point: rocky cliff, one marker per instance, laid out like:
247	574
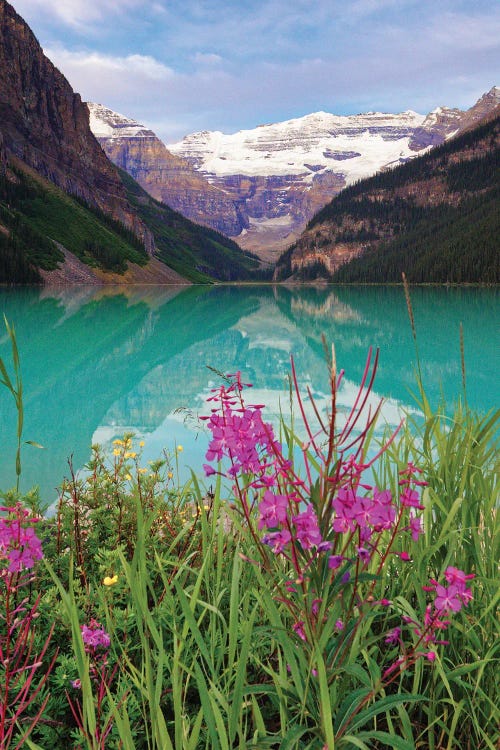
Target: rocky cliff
46	125
3	157
166	177
262	186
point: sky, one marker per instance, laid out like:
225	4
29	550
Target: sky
181	66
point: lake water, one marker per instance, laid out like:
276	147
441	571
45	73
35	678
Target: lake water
97	362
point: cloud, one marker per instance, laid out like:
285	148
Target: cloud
77	13
467	32
184	65
207	58
84	69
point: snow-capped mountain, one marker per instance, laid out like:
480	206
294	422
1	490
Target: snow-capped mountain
285	172
304	147
261	186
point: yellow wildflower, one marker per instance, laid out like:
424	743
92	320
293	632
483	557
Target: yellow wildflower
127	476
116	452
142	444
142	471
130	454
118	442
170	475
110	581
180	448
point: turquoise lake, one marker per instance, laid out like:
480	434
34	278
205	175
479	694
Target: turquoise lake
98	362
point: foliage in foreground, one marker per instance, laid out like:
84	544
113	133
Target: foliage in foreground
283	611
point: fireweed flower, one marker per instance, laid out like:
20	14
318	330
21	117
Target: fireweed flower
273	510
448	599
394	636
19	544
307	529
352	527
277	540
345	512
411	498
95	637
415	526
298	627
335	561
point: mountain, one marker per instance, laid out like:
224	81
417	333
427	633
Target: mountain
44	125
436	218
166	177
67	214
281	174
198	253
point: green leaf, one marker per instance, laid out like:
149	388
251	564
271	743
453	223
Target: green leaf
387	740
34	444
384	704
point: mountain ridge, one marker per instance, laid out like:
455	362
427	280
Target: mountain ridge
45	124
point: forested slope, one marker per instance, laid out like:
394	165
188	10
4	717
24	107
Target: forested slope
437	218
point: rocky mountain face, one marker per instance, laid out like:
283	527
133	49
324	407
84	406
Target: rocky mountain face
45	126
169	178
281	174
166	177
3	157
436	217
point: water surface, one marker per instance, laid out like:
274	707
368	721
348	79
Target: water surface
97	362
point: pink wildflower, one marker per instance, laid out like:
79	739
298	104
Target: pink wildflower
448	599
298	627
394	636
94	636
18	542
335	561
345	511
410	498
273	510
277	540
306	524
416	526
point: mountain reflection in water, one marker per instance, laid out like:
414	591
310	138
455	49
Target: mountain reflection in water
97	362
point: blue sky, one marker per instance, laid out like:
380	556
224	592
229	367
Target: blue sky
180	66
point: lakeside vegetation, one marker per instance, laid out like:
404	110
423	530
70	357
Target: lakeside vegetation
169	616
35	215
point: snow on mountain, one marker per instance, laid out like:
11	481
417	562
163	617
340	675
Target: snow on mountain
104	123
168	178
356	145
